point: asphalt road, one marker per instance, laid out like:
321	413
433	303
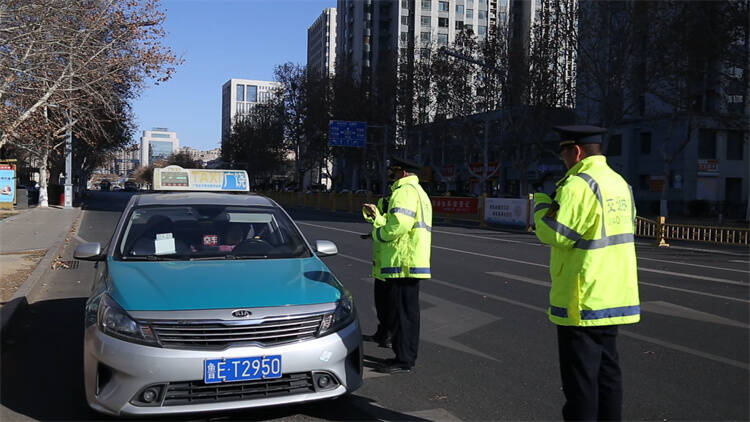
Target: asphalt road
487	350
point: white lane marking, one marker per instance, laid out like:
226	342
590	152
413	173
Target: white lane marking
697	265
647	339
492	256
694	352
671	309
718	280
486	238
547	284
697	277
740	261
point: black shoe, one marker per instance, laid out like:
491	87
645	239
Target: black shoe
375	338
392	366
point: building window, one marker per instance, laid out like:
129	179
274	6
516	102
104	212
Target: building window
444	6
425	20
735	145
240	92
482	30
707	143
425	36
404	36
459	10
443	39
469	13
404	20
644	181
252	94
425	53
469	27
404	4
645	142
470	2
443	22
482	14
459	25
614	147
426	5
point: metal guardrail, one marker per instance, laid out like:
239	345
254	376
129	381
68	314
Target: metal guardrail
663	231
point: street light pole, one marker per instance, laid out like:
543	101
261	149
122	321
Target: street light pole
384	169
69	164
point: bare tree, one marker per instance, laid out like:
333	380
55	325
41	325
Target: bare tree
74	64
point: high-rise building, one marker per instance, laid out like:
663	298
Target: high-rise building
321	44
239	96
373	36
158	144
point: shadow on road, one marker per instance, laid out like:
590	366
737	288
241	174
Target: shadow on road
42	362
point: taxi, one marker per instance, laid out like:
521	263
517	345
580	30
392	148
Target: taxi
206	301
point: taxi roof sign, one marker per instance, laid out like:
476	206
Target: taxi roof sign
176	178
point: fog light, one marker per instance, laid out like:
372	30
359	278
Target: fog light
149	395
323	381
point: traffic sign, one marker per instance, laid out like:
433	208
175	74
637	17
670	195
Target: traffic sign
344	133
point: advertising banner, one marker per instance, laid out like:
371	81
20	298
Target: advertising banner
7	184
506	211
455	205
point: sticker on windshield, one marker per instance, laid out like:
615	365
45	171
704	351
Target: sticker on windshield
164	244
210	240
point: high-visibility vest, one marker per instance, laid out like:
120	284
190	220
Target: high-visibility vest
590	227
378	221
405	236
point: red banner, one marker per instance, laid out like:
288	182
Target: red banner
455	205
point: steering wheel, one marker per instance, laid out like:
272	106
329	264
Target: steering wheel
253	245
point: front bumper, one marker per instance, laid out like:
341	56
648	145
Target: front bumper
116	372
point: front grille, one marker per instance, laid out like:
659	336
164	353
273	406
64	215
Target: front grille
219	335
198	392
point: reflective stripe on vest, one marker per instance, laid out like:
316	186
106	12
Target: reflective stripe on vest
421	223
391	270
589	314
410	213
577	238
419	270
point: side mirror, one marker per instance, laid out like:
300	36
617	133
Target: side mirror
89	252
325	248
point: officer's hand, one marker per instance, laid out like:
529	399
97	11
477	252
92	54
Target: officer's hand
370	210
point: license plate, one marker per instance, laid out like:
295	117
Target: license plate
241	369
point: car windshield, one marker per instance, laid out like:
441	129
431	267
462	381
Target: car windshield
195	232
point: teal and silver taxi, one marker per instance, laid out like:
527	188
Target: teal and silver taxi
214	301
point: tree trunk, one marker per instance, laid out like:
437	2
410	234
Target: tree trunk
43	198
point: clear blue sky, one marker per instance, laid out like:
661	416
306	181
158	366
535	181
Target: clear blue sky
219	40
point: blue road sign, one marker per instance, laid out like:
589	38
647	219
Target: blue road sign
343	133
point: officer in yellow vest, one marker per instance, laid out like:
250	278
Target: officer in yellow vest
589	225
404	250
384	309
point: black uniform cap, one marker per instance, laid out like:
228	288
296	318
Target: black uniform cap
404	164
579	135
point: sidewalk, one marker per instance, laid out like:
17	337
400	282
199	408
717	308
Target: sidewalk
29	242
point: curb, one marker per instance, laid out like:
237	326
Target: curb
19	300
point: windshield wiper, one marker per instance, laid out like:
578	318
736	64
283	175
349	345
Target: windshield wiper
241	256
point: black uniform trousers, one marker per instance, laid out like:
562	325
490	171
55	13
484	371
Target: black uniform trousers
405	293
384	309
591	376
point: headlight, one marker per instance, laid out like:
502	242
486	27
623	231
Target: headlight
114	321
342	316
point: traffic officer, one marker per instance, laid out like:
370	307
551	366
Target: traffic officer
589	225
404	250
384	309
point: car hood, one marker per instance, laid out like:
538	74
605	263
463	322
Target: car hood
183	285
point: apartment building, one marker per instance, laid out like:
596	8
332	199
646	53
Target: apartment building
239	96
321	44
